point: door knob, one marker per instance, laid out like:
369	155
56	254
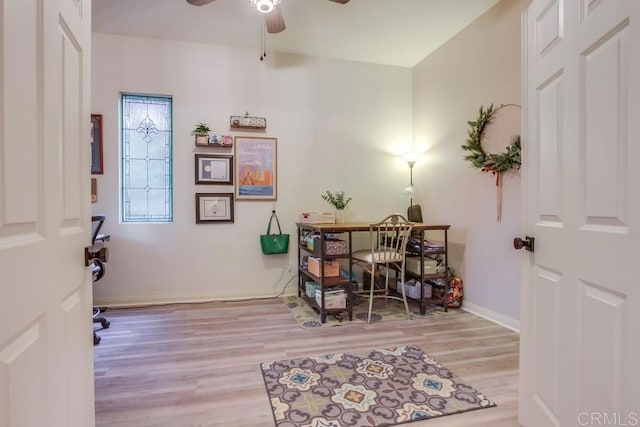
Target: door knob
99	252
527	243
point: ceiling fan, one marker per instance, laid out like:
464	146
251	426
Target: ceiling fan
272	13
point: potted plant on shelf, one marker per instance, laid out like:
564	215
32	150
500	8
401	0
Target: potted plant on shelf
201	132
339	201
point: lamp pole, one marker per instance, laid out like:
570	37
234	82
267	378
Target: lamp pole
411	163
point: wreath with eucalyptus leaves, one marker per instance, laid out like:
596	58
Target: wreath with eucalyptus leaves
489	162
497	164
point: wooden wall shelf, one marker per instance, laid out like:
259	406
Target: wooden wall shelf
247	122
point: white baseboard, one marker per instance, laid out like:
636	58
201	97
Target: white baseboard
493	316
140	301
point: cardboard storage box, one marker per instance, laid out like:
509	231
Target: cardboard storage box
331	246
331	268
332	299
412	289
412	264
317	218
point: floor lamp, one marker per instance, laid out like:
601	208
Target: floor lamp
414	214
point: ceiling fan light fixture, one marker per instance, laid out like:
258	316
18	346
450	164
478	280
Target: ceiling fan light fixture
264	6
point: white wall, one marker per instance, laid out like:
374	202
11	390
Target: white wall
338	126
479	66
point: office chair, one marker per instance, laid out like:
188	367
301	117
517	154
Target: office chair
98	270
388	248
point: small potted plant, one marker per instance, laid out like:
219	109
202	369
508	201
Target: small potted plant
201	132
339	201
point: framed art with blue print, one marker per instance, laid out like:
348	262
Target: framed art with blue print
214	169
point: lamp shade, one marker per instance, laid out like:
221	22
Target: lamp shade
411	157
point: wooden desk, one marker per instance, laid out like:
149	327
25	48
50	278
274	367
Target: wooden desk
348	228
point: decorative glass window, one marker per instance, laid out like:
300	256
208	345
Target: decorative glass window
147	151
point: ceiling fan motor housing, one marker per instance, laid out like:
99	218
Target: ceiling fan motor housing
264	6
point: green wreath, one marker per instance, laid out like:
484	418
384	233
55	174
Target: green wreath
488	162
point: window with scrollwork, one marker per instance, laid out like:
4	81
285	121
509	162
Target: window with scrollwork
146	143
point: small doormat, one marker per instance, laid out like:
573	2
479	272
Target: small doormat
391	310
371	388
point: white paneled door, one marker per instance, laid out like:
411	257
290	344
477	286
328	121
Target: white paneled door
46	345
580	345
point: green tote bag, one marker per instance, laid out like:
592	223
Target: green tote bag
273	244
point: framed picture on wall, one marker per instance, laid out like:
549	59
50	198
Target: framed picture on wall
256	168
214	169
96	145
214	207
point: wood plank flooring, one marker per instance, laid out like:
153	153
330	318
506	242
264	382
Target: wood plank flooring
196	365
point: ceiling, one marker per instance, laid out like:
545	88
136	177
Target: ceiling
393	32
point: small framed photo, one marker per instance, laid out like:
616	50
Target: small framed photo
256	168
220	140
214	207
214	169
97	166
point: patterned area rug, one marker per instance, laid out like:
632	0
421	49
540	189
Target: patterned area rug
392	310
371	388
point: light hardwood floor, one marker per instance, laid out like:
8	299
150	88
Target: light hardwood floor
198	364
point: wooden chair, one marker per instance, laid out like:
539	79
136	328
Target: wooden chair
388	248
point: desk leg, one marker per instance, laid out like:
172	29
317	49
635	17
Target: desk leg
350	294
445	303
423	303
350	298
447	278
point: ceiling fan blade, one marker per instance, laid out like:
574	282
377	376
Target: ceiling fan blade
340	1
275	21
200	2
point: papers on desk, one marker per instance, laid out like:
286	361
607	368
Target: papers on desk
413	244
